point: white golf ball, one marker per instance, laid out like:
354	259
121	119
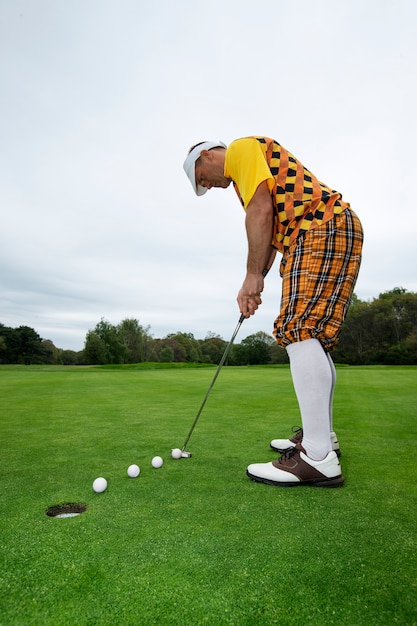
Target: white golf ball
133	471
157	461
176	453
100	485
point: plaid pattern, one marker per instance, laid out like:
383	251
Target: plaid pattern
319	272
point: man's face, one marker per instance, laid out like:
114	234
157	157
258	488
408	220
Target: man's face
209	170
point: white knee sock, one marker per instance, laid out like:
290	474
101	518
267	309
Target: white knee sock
313	382
333	370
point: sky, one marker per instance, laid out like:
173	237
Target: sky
100	102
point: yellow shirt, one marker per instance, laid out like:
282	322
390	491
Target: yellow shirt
300	201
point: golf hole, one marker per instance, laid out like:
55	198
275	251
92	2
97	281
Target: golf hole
69	509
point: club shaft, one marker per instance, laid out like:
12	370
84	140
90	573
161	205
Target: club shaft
220	365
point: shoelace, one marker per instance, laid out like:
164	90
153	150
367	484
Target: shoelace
288	454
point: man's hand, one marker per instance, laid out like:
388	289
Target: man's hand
249	296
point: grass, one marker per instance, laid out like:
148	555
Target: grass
196	542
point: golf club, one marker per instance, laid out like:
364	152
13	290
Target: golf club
185	454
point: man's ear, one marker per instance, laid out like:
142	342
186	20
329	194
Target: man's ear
206	155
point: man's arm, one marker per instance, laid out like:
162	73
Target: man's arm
259	224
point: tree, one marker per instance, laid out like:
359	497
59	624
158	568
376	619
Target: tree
358	335
402	308
137	340
21	345
3	347
166	355
70	357
212	348
25	346
253	350
9	351
94	349
115	348
187	345
179	351
380	331
51	353
278	354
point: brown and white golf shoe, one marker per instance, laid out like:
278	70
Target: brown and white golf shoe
281	445
295	468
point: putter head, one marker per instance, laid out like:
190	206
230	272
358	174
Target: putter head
185	455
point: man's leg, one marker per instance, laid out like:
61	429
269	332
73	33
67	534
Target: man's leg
319	272
311	461
313	383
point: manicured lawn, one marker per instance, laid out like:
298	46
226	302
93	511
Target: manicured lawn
196	542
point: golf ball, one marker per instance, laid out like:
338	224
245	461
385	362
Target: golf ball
100	485
157	462
176	453
133	471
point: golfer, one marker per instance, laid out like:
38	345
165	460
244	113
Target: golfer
320	238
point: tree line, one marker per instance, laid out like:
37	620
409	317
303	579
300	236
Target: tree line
381	331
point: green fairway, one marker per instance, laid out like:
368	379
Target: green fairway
196	542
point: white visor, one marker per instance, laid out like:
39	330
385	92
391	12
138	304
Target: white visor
189	163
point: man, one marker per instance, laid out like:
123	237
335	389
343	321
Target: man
320	238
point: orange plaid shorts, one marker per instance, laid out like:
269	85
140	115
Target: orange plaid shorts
319	272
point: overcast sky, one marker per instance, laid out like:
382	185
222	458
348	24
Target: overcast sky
100	101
